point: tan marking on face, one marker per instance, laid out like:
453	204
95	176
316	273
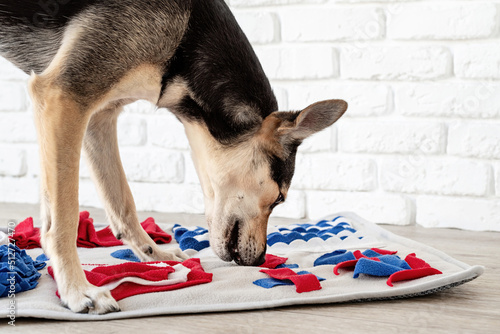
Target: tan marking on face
267	134
237	185
271	134
269	196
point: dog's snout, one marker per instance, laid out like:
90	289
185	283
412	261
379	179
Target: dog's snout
234	242
244	250
235	234
261	259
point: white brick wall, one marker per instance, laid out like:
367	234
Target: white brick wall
395	62
12	162
381	208
474	139
419	143
430	20
391	136
449	99
478	60
299	62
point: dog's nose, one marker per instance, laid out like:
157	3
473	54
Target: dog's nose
261	259
234	243
258	261
245	258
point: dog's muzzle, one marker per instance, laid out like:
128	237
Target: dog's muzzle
234	250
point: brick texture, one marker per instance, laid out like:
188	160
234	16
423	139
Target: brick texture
391	136
458	99
443	176
13	96
479	60
299	62
391	62
475	139
330	172
384	209
332	24
497	179
365	100
12	161
431	20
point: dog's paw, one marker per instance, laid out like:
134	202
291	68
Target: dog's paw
178	255
148	253
90	299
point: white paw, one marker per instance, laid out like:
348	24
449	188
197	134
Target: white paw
148	253
170	255
179	255
89	299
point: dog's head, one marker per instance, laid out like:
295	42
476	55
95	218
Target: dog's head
242	183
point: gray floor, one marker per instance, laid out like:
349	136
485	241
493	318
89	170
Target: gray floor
470	308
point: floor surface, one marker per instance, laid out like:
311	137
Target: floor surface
470	308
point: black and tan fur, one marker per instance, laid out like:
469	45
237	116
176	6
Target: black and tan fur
89	58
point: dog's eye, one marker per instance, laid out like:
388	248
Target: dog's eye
279	200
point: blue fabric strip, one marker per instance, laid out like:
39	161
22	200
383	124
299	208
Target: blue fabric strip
323	230
334	258
186	238
270	282
18	271
125	254
385	267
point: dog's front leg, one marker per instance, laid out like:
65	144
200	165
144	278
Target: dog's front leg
61	123
101	151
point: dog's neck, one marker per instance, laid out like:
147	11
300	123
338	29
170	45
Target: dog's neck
215	77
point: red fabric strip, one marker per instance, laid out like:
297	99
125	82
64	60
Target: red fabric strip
102	275
352	263
411	274
384	251
28	237
303	283
415	263
272	261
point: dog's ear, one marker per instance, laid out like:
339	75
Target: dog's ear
293	127
312	119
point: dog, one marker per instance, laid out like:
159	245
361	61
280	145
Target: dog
89	58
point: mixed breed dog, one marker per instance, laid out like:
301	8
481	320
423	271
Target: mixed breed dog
88	58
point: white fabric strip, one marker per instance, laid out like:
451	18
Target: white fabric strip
179	276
